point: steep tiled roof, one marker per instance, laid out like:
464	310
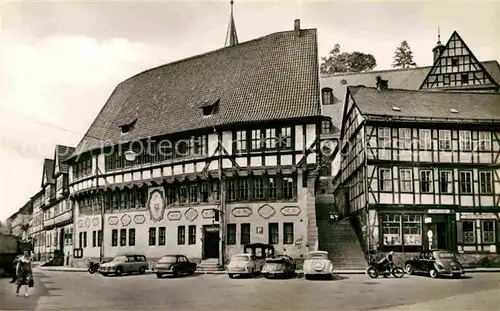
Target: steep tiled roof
273	77
63	153
426	104
406	79
48	170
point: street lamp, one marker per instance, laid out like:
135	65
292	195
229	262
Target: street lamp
130	155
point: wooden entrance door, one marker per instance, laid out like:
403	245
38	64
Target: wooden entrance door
211	243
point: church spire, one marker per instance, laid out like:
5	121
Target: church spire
231	36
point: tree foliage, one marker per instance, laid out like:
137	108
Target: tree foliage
403	56
337	61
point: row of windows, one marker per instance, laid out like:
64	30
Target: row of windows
279	138
82	168
426	181
486	229
241	189
405	140
273	230
398	229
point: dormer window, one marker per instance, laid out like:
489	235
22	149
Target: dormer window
210	107
125	128
327	96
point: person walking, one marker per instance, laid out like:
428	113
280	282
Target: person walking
24	272
14	263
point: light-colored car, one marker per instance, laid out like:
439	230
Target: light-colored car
243	265
318	263
128	263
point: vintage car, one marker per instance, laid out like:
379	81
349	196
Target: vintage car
243	265
318	263
127	263
280	266
434	263
174	265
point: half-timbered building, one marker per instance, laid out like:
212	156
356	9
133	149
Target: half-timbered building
205	155
419	153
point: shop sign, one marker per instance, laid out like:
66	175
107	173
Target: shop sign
427	220
440	211
478	216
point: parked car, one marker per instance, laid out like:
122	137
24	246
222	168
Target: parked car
243	265
174	265
280	266
434	263
318	263
128	263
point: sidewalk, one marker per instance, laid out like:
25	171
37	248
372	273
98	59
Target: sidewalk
71	269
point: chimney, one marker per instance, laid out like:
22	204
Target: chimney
382	85
297	28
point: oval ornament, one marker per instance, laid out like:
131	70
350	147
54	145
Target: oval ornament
113	220
290	211
126	220
139	219
95	222
174	215
87	222
266	211
241	212
208	213
80	224
156	205
191	214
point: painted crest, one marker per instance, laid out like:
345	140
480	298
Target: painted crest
156	205
80	224
266	211
290	211
87	222
208	213
174	215
126	220
95	222
139	219
241	211
191	214
113	220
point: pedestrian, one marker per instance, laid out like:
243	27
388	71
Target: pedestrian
14	277
24	272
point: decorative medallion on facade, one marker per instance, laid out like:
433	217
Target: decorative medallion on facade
126	220
80	224
156	205
298	242
290	211
241	211
95	222
139	219
113	220
266	211
87	222
174	215
208	213
191	214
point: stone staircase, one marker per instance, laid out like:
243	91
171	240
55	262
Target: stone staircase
209	265
338	238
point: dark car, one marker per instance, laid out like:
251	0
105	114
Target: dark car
281	266
434	263
174	265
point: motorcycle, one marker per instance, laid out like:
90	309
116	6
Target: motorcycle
93	267
376	269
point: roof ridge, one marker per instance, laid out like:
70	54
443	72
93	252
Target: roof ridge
427	90
215	51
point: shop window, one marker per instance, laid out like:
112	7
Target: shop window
468	232
288	233
231	234
152	236
181	235
391	227
123	237
192	235
273	233
162	236
245	234
412	229
488	232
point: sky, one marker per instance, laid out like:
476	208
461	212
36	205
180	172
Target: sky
60	61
